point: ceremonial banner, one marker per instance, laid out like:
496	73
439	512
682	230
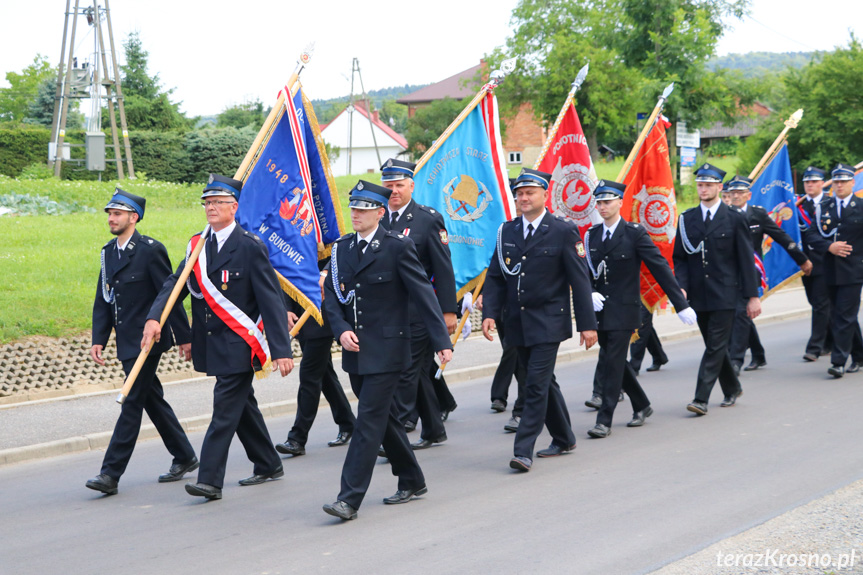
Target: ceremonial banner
289	200
649	200
464	179
774	191
567	158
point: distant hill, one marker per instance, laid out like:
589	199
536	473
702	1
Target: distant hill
755	64
326	110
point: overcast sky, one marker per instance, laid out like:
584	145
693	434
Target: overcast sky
218	53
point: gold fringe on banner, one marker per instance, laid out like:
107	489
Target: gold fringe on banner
300	298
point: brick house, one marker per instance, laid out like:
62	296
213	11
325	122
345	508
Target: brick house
524	135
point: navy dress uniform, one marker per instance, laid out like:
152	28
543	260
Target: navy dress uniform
317	375
370	292
240	269
744	333
714	265
527	289
129	279
425	227
840	224
614	258
820	340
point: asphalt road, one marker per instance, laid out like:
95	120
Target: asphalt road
626	504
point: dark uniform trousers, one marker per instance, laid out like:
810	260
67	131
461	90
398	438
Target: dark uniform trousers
386	280
744	334
647	339
417	394
818	296
535	306
253	288
317	375
509	366
714	280
615	373
135	278
847	340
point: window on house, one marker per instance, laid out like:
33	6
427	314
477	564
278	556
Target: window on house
515	157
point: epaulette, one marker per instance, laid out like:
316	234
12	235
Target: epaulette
432	211
344	237
690	209
396	235
111	242
148	240
635	225
758	208
253	236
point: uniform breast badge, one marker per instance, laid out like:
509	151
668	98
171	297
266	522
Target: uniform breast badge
225	277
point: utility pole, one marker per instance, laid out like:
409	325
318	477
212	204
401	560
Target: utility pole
87	81
355	71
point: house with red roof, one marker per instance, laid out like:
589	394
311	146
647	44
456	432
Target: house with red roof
355	137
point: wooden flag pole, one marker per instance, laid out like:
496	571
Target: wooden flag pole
576	84
644	131
774	147
464	318
193	257
495	79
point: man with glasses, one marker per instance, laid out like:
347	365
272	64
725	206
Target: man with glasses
233	285
837	232
743	334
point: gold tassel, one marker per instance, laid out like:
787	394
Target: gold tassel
265	370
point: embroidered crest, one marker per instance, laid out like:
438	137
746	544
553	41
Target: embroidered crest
375	244
444	239
579	249
409	216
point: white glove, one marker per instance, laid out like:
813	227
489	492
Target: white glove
467	303
465	331
687	316
598	298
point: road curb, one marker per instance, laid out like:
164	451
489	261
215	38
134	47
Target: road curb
100	440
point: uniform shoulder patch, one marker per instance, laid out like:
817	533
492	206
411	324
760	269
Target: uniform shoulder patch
444	239
579	249
252	236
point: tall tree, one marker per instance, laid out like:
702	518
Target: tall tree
40	111
242	115
430	121
23	89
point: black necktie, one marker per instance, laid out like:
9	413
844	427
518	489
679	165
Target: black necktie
707	219
212	248
362	245
529	231
393	219
607	235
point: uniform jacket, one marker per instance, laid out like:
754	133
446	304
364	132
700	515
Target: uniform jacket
425	226
838	270
136	277
253	287
619	278
715	278
386	282
760	223
534	304
816	257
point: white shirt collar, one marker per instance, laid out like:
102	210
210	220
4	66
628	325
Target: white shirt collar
705	209
743	209
123	246
399	211
534	223
606	229
367	238
223	234
817	199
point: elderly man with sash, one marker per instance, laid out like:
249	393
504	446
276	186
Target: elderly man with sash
233	288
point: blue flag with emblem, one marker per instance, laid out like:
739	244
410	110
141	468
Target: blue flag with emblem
774	191
464	180
290	201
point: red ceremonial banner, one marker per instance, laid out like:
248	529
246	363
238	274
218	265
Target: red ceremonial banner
573	178
649	200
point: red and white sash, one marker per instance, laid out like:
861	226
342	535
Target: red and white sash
234	317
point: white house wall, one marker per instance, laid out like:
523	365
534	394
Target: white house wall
363	158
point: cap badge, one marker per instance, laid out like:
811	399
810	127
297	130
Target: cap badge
390	163
360	186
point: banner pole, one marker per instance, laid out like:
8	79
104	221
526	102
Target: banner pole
464	318
644	131
576	84
790	123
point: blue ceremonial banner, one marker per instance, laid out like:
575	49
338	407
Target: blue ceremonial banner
774	191
465	182
289	200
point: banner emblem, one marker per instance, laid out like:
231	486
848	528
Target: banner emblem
467	193
656	212
572	192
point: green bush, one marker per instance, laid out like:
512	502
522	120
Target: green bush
218	151
161	155
38	171
21	146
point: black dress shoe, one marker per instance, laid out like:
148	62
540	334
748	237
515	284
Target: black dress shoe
620	397
178	470
403	496
104	483
203	490
554	450
810	356
340	509
410	426
512	425
755	364
291	447
698	407
342	438
382	453
656	365
498	405
426	443
520	463
599	431
259	478
595	402
836	371
854	367
444	414
639	416
730	400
